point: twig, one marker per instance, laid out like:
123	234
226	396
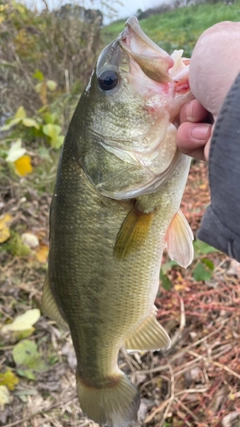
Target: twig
184	351
229	370
178	334
186	409
166	402
172	382
156	411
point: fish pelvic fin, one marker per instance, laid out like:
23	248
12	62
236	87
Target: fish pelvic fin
178	240
150	335
115	403
133	232
49	306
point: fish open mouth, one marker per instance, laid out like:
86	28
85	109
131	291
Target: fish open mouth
153	60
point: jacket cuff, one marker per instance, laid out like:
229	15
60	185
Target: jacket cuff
216	234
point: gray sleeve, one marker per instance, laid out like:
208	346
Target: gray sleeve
220	226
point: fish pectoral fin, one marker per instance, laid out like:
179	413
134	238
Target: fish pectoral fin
49	306
133	232
179	239
150	335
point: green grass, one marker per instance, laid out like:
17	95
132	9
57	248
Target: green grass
180	28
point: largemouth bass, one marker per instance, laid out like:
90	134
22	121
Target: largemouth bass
115	207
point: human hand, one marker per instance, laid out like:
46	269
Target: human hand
214	66
193	135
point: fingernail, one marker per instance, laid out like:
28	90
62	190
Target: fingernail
201	132
189	111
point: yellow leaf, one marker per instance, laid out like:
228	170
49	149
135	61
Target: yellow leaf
4	227
23	321
1	19
4	396
9	379
23	165
21	113
203	187
51	84
42	254
16	151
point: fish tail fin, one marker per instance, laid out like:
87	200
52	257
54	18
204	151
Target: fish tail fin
115	403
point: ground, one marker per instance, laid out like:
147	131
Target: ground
195	383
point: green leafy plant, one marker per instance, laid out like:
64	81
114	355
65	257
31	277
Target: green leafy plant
165	281
202	248
28	359
42	126
204	267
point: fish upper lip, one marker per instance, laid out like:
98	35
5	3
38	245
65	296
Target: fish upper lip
132	25
153	60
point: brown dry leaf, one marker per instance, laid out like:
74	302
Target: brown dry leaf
4	227
23	165
234	269
42	254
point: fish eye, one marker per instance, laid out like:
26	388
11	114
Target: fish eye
108	80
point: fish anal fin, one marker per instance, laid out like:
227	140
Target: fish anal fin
133	232
150	335
179	239
49	306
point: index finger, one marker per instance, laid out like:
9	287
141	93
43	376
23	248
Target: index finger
193	111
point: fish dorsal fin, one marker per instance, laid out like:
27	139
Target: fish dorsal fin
133	232
179	239
49	306
150	335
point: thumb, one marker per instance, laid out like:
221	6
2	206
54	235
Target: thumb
215	64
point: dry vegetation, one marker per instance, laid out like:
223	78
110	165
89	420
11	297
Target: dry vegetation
197	383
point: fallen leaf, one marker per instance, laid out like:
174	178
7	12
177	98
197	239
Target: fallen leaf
4	396
16	151
227	421
23	394
21	113
28	122
234	269
30	240
145	406
28	359
9	379
38	75
203	187
4	227
23	321
42	254
23	165
51	84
